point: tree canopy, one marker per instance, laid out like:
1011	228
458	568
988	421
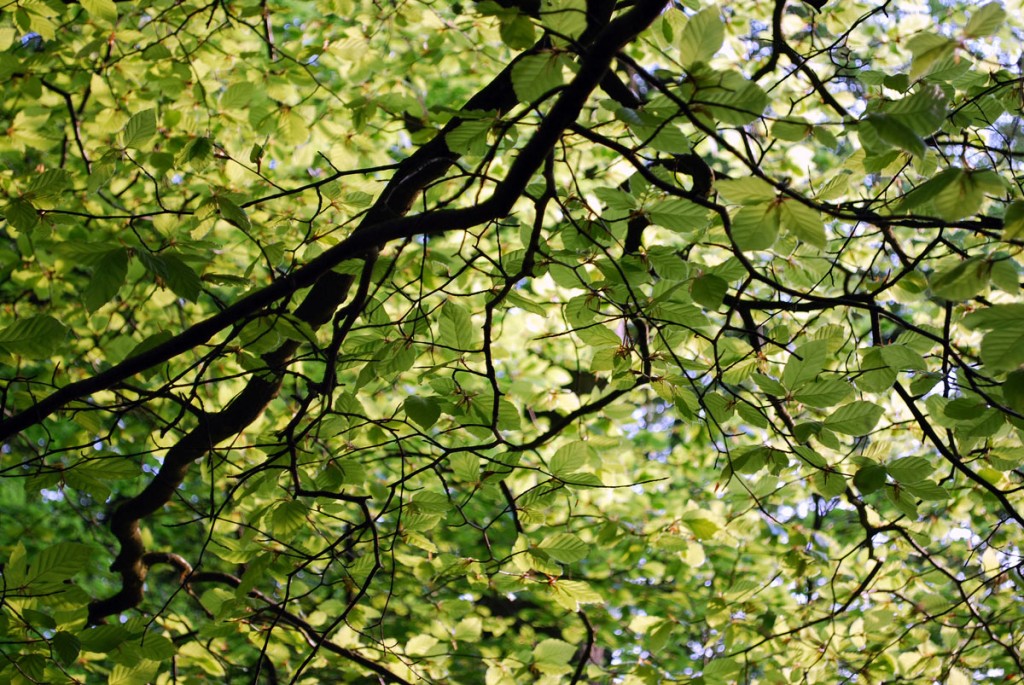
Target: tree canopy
556	341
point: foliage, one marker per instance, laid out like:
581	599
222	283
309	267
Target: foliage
550	341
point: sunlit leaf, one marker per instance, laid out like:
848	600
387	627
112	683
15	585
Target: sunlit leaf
535	75
104	10
910	469
140	128
455	327
823	393
985	20
59	562
564	547
702	36
804	222
1003	348
928	49
961	281
755	227
854	418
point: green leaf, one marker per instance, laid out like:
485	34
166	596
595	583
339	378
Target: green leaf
455	327
102	10
518	32
569	459
923	194
157	647
755	227
198	153
856	418
60	562
769	385
1002	349
102	639
154	340
238	96
810	456
509	417
465	466
928	49
702	526
470	137
570	594
565	17
35	337
965	193
660	636
1013	390
910	469
291	128
749	461
288	516
964	409
749	190
256	157
424	411
805	363
869	478
1013	220
431	502
553	651
140	128
926	490
922	112
721	670
961	281
731	98
535	75
996	316
708	290
66	647
899	498
133	673
421	645
821	394
616	199
791	130
803	222
985	21
702	37
107	278
829	484
564	547
180	277
891	130
88	481
902	358
1004	273
232	213
677	214
22	215
100	176
48	184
